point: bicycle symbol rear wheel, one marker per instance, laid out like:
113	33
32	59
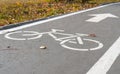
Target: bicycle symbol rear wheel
64	44
23	35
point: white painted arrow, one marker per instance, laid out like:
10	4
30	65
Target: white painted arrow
100	17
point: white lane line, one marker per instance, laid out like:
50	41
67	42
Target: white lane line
52	19
105	62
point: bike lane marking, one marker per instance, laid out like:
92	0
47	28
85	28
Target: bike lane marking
52	19
103	65
99	17
62	40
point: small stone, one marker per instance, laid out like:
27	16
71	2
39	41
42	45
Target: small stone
8	46
43	47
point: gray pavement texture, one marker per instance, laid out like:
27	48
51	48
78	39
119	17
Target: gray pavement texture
26	57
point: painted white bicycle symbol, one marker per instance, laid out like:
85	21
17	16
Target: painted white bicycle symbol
69	41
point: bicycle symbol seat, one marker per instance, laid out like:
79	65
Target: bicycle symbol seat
68	42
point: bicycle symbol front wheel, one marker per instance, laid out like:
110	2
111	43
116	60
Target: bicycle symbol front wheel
65	44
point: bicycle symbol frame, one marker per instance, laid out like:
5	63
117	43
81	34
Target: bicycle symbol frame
70	38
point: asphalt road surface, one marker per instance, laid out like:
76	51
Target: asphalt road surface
84	42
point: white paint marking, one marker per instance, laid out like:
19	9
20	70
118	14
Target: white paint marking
105	62
7	36
52	19
63	44
32	33
62	40
71	48
80	40
100	17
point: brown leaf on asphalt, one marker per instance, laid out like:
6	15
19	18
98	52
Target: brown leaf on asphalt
92	35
